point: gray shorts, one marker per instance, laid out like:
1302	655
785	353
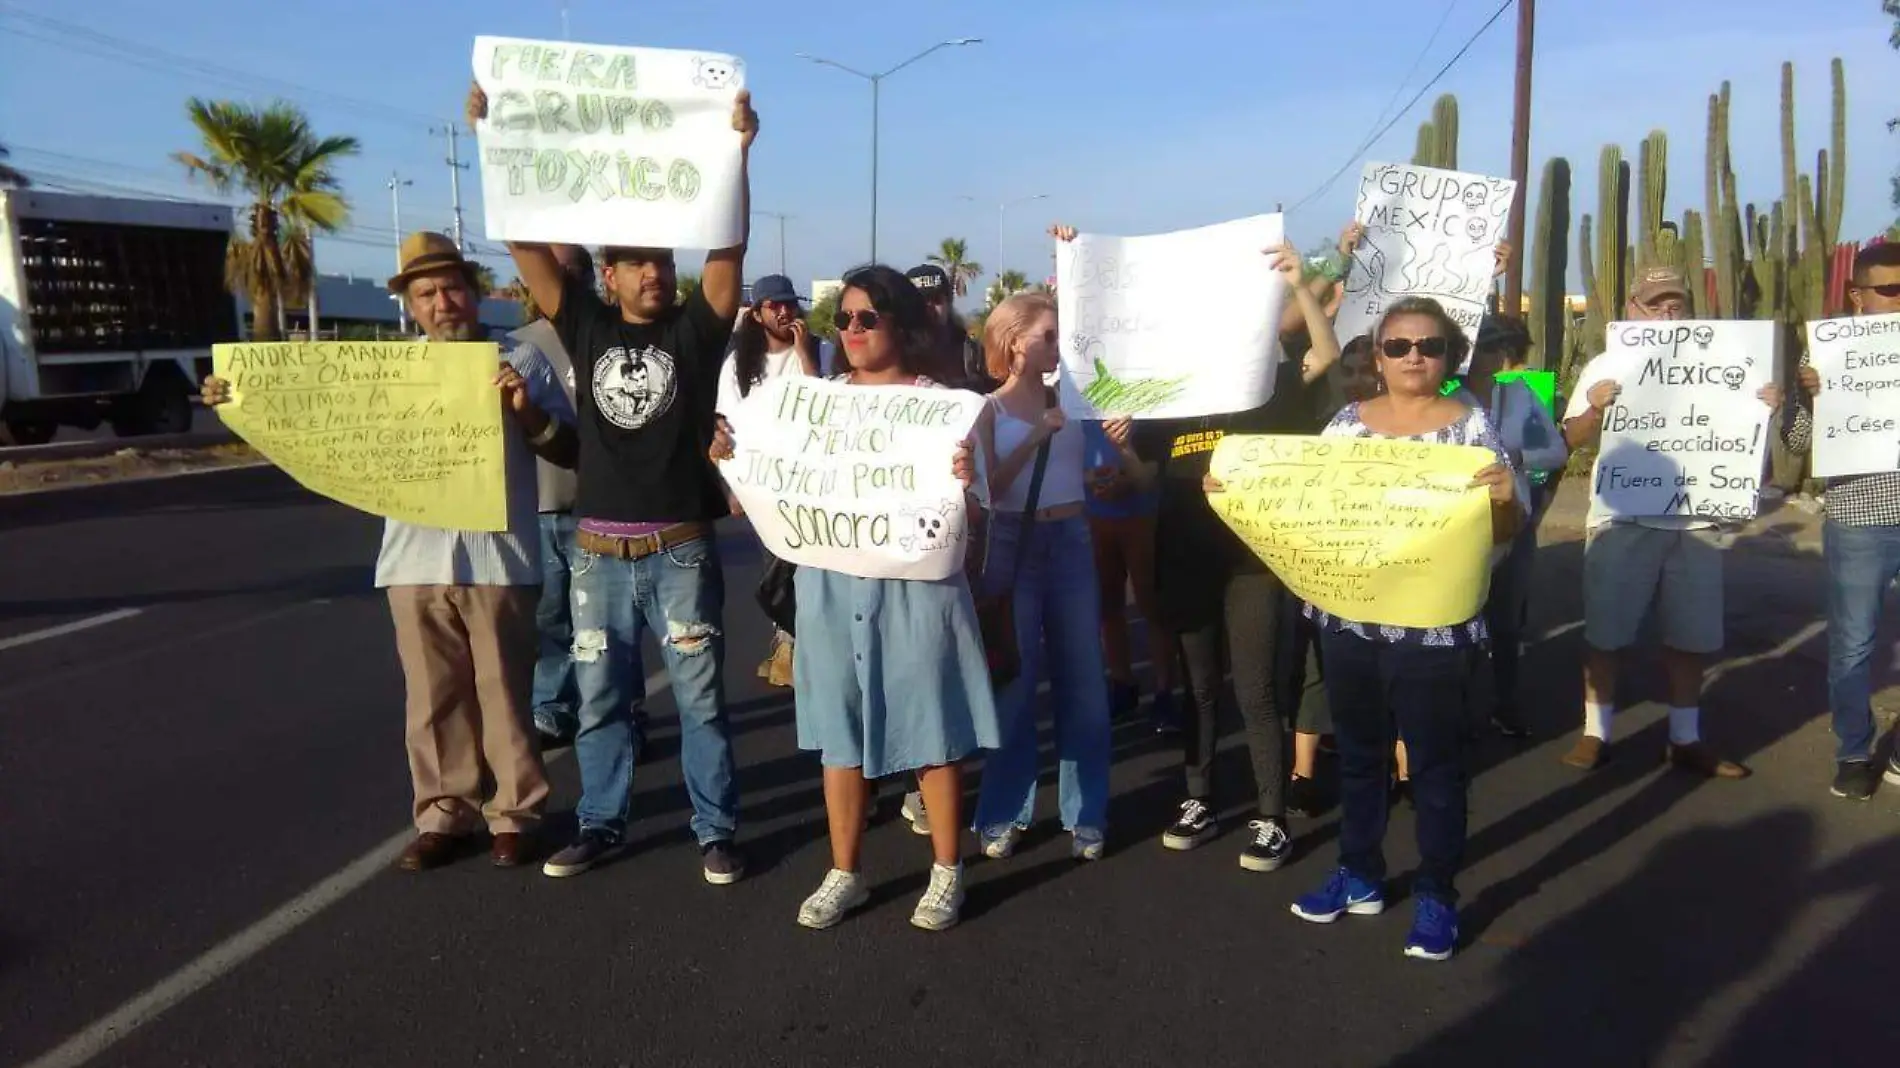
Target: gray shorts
1627	567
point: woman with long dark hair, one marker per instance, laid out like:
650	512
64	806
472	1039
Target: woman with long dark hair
1382	680
889	674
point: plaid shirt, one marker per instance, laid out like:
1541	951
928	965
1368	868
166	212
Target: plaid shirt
1856	500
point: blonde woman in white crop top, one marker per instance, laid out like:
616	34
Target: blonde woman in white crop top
1040	555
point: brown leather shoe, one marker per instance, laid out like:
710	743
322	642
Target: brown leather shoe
510	849
1588	754
429	850
1700	759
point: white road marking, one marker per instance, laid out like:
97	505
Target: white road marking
74	627
221	959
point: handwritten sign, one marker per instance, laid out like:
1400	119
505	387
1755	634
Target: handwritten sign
854	479
592	144
1685	436
1429	233
405	430
1856	420
1169	325
1372	531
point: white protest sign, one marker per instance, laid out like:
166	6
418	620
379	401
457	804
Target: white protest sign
1428	233
1170	325
1856	422
854	479
597	145
1685	436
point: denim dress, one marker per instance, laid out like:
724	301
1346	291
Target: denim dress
889	674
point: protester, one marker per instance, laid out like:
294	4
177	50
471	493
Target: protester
1534	445
771	340
956	359
1121	519
1381	677
1040	556
1673	562
1861	544
556	697
463	602
890	674
647	371
1216	594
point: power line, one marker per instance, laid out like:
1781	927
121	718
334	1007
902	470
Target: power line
1417	61
1409	105
82	39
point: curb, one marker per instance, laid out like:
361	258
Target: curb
87	450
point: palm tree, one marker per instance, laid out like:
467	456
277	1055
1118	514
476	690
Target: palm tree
1006	284
10	178
950	256
270	155
685	286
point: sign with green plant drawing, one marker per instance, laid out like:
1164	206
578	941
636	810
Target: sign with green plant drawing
1169	325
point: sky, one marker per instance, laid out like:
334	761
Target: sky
1125	116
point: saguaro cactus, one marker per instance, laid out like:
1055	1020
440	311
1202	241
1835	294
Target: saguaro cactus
1651	194
1550	262
1603	247
1438	136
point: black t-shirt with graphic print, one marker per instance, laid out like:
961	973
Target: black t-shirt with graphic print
645	395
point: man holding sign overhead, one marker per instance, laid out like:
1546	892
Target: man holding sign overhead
1855	364
646	379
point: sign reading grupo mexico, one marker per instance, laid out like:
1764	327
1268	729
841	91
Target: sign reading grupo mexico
854	479
591	144
1685	435
1429	233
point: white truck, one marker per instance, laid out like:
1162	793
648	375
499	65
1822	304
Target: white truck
108	310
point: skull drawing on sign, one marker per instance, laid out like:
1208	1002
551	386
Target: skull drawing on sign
1704	335
716	73
1476	229
1475	195
925	528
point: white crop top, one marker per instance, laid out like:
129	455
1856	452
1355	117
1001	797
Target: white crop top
1061	482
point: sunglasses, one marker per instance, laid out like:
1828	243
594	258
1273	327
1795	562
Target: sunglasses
1432	348
1889	290
867	320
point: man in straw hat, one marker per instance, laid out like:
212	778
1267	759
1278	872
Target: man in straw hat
646	377
463	601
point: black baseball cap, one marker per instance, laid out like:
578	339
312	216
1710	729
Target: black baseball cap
930	280
612	254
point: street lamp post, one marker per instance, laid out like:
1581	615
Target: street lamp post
1002	211
877	81
396	182
781	217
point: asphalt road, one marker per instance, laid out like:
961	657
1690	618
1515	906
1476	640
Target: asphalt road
218	734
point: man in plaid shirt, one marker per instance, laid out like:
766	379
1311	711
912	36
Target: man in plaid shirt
1862	548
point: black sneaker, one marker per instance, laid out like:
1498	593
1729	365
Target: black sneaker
1304	798
1195	826
723	862
1164	713
1270	846
592	847
1856	779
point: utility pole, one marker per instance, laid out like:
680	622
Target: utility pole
456	167
565	36
396	182
1520	158
781	217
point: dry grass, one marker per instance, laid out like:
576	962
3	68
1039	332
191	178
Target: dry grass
127	463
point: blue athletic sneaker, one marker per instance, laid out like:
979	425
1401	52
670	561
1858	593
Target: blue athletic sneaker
1434	930
1343	892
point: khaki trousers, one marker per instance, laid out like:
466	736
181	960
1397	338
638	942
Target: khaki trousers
468	657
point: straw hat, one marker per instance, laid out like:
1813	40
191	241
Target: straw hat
425	251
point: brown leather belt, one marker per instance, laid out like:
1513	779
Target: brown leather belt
643	546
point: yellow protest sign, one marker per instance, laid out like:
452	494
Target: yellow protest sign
408	430
1368	530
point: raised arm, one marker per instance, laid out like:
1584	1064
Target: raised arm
1319	326
724	277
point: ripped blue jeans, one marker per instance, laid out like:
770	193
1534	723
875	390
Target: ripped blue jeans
679	594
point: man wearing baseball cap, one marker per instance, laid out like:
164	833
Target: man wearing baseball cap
1629	563
958	359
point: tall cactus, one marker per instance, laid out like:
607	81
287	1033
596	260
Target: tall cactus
1550	262
1726	240
1438	136
1694	265
1651	196
1604	245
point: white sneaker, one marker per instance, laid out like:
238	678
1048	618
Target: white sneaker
841	892
914	812
999	842
1088	844
942	901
